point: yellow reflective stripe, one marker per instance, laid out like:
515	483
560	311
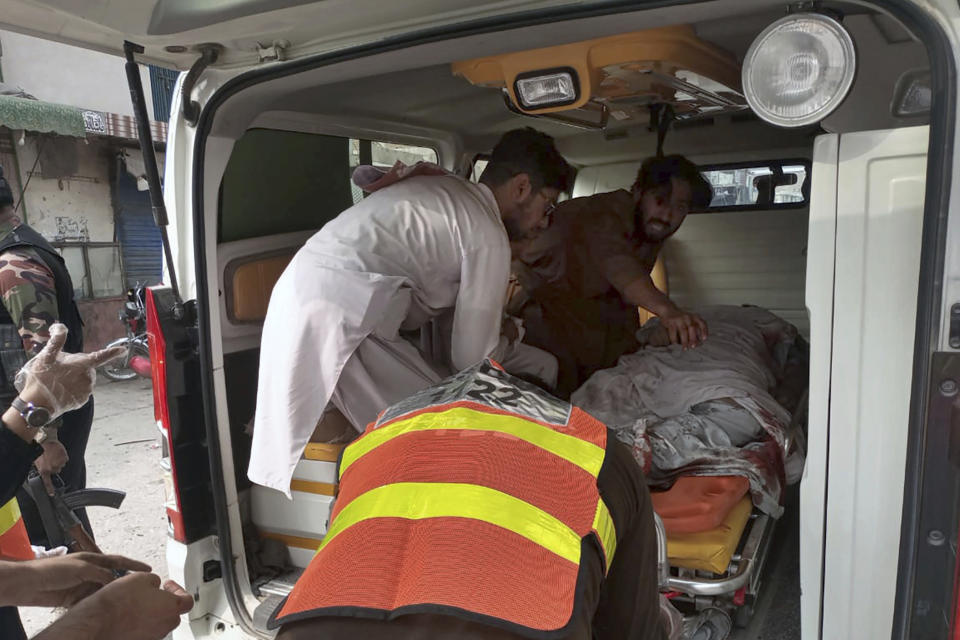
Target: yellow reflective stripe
606	531
421	500
578	451
9	514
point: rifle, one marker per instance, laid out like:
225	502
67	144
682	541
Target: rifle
62	526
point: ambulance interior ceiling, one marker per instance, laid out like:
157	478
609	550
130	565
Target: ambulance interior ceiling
414	90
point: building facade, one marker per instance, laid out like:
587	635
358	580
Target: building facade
68	144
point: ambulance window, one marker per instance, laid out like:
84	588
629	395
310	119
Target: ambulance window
384	155
760	186
480	162
283	181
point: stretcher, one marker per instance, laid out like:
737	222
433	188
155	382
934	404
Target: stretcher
712	542
719	566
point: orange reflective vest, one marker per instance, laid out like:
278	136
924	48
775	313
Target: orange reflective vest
14	543
473	498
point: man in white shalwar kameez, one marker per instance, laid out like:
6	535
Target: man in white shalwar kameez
407	253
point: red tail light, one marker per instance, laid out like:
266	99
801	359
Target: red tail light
161	412
955	632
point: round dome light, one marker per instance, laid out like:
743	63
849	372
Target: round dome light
799	69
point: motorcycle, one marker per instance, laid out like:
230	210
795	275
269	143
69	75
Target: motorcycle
136	362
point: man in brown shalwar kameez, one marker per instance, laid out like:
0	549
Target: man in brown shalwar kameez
587	275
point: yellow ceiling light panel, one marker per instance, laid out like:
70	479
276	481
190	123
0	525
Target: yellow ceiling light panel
623	73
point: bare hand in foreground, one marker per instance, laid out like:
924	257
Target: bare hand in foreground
134	606
60	581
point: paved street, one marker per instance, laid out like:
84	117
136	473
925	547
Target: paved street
123	453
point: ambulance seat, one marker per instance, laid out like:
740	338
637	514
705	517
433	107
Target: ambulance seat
249	281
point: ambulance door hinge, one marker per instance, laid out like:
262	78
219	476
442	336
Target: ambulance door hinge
273	52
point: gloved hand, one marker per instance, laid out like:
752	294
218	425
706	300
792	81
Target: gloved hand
59	381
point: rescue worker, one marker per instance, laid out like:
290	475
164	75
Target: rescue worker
588	273
101	605
407	253
133	606
36	291
483	508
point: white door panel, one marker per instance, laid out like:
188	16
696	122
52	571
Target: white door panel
879	217
821	254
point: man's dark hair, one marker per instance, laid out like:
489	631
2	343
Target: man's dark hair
6	193
531	152
656	172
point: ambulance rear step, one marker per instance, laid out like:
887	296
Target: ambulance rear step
273	592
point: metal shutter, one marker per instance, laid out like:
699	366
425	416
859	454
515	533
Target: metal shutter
140	245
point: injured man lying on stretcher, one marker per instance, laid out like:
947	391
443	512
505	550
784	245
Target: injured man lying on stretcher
710	411
719	432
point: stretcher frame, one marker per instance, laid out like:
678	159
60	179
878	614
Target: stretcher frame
743	573
746	567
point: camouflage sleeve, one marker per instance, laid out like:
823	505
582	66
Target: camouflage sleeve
29	295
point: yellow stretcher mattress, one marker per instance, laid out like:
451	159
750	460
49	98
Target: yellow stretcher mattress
710	550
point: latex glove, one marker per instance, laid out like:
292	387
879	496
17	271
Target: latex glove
133	606
60	381
60	581
52	462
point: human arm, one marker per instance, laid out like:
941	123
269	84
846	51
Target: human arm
58	381
627	266
60	581
18	455
28	290
484	272
29	294
683	327
134	606
17	447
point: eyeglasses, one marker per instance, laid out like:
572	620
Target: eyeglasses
551	207
550	210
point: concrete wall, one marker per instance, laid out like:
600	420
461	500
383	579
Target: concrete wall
65	74
76	207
